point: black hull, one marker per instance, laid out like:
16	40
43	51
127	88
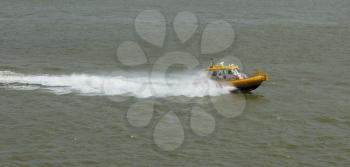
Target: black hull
246	89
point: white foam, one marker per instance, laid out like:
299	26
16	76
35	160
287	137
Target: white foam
142	87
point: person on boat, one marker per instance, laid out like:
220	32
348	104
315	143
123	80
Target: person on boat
220	75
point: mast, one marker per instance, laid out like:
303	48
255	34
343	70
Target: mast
212	62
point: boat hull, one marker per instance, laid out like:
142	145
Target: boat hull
244	84
246	89
249	84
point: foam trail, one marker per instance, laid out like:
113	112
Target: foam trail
142	87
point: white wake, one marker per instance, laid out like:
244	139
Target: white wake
142	87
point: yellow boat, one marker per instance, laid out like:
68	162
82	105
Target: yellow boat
231	75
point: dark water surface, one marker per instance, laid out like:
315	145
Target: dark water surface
300	117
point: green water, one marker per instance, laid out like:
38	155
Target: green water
298	118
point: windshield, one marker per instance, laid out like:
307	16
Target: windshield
228	74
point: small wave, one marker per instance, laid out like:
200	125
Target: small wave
86	84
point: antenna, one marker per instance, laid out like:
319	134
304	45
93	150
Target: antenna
211	61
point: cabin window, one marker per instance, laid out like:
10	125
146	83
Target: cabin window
236	72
